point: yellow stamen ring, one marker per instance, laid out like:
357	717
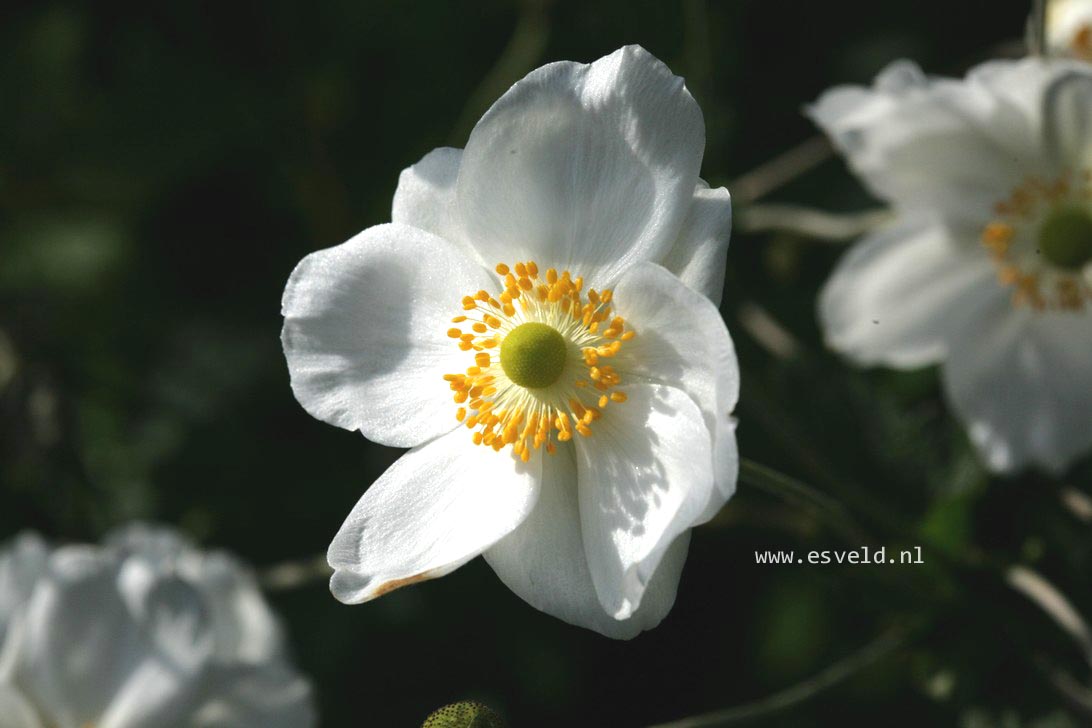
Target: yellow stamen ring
539	372
1041	242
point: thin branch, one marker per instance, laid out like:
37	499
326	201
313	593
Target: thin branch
294	574
1038	31
1077	696
794	492
810	222
781	170
1077	503
523	52
884	645
768	331
1056	605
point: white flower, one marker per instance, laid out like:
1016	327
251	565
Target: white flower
588	176
1069	28
144	632
986	267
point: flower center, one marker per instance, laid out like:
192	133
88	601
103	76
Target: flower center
550	378
533	355
1081	44
1041	242
1065	237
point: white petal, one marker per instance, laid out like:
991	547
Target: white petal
1019	381
15	710
156	544
425	197
589	167
245	627
682	342
543	560
436	508
22	563
952	146
245	697
699	254
154	695
1067	118
81	643
645	477
891	298
365	332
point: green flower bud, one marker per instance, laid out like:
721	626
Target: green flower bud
464	714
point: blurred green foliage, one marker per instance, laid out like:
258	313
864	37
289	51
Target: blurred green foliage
164	165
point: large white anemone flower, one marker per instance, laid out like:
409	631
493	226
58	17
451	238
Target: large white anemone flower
987	267
144	632
1069	28
536	325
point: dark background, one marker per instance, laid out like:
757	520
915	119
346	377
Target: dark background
163	166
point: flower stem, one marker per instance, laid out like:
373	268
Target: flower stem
797	493
887	643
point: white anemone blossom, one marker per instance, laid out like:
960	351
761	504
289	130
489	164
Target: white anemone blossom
536	325
987	266
143	632
1069	28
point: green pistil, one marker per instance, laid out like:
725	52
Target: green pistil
533	355
1065	237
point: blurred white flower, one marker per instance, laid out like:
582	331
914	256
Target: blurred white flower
143	632
595	374
986	268
1069	28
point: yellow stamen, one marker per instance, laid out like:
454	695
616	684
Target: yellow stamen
541	412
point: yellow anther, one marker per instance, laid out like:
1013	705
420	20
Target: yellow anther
527	416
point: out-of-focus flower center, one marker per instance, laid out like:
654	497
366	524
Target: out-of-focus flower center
1081	45
1065	237
540	369
1041	242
